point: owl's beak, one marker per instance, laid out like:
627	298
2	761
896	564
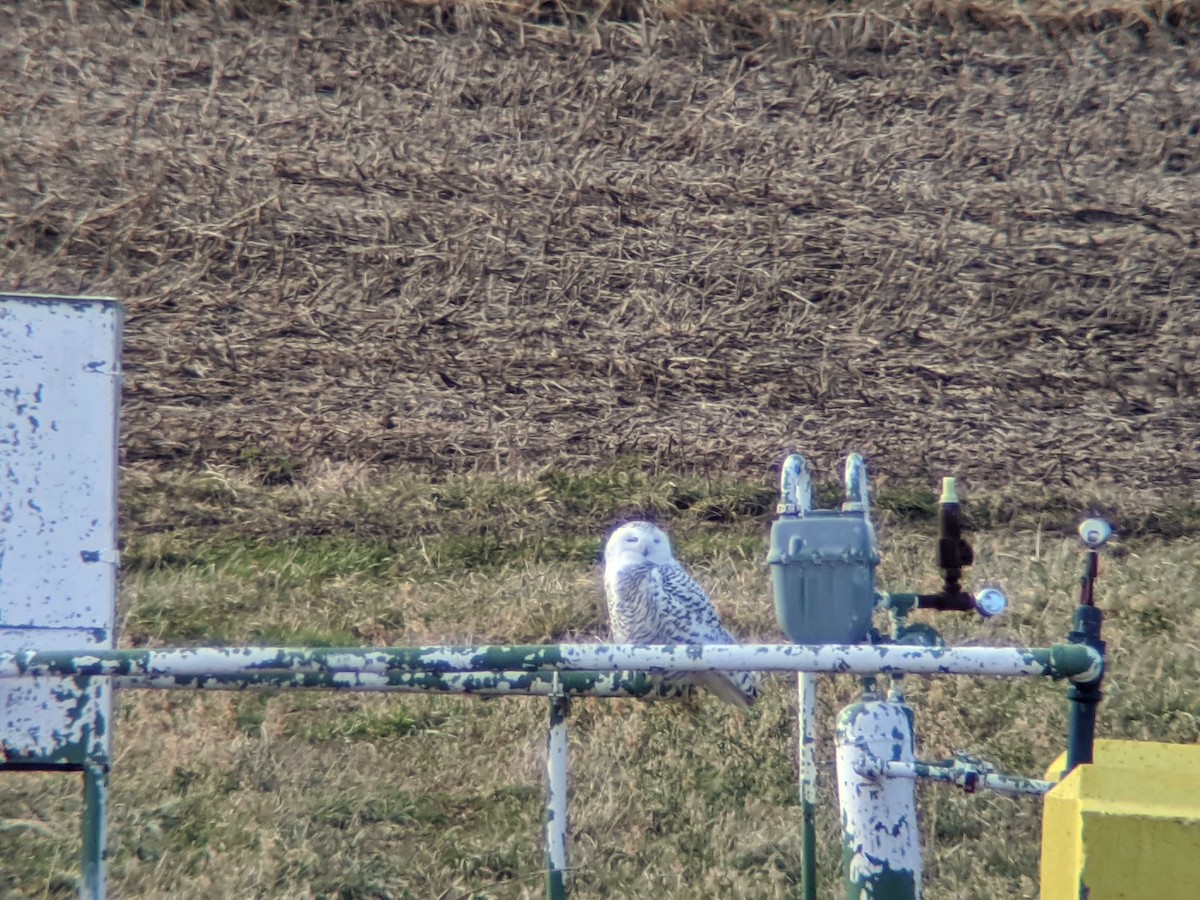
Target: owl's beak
646	552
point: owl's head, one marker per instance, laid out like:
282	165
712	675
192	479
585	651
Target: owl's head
637	542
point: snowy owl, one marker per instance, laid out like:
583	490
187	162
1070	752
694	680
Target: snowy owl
653	600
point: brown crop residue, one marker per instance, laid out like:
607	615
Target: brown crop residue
443	240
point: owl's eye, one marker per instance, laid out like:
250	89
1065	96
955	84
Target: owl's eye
631	538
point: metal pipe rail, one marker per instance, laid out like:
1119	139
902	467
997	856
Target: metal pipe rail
638	685
557	672
1077	662
961	775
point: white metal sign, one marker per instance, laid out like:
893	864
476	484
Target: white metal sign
59	398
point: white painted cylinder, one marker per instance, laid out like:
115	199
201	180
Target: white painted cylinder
880	841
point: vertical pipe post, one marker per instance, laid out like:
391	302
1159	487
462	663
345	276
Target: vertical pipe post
1085	698
881	850
556	798
93	870
806	684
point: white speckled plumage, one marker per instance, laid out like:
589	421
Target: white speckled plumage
653	600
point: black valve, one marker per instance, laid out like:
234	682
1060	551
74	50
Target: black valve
953	555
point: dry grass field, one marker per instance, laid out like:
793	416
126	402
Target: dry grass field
422	297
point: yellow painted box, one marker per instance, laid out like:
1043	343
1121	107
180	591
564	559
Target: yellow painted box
1127	826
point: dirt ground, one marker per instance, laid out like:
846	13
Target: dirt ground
433	239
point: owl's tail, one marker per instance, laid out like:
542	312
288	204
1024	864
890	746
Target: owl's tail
737	688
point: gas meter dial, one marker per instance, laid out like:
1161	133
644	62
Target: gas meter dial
1095	533
990	602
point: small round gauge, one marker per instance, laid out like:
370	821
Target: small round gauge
1095	533
990	602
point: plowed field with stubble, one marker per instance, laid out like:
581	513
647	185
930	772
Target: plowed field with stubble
419	238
